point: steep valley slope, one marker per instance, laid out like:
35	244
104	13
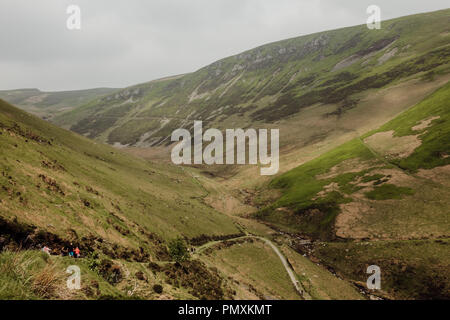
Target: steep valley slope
364	176
123	212
315	87
379	199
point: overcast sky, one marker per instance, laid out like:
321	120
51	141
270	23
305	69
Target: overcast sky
123	43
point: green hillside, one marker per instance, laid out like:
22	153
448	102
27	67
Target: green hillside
364	178
123	212
276	82
384	192
56	187
156	197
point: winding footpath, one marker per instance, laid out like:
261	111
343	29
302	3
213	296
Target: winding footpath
288	268
291	273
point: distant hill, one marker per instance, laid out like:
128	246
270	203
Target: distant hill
48	104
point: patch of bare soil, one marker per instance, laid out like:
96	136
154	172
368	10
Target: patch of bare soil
285	210
389	146
347	166
439	174
424	123
348	220
393	176
347	62
327	189
226	204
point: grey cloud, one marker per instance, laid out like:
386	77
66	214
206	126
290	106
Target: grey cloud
127	42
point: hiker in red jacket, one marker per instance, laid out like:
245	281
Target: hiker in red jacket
46	249
77	252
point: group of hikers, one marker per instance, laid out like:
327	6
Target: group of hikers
72	251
